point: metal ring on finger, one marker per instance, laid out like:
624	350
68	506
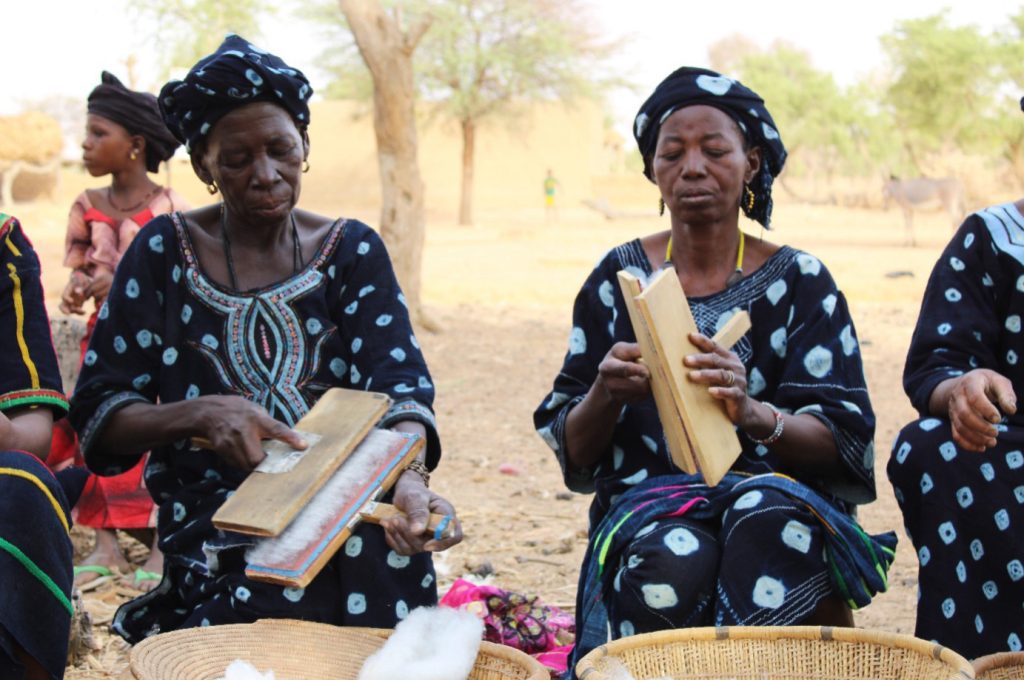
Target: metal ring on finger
730	379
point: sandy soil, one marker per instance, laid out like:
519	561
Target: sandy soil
503	292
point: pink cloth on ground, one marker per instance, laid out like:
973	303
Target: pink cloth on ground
521	621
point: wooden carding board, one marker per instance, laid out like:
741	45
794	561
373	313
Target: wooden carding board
699	435
667	413
266	503
296	556
709	432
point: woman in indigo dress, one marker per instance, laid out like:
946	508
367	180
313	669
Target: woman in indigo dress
228	322
35	506
667	551
958	471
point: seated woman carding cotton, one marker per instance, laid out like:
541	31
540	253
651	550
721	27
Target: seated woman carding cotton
228	322
666	550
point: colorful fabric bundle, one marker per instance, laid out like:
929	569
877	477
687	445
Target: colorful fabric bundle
517	620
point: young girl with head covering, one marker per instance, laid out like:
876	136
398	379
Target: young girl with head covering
228	323
126	139
666	550
35	505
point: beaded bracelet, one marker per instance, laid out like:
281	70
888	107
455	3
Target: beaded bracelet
420	468
776	434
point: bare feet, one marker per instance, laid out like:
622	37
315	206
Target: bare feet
105	554
148	576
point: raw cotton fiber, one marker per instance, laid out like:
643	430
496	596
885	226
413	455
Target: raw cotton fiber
432	643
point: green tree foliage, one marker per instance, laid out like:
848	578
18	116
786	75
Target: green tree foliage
944	80
184	31
484	59
827	129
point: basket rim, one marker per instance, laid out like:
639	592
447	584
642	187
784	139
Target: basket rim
586	665
262	627
996	660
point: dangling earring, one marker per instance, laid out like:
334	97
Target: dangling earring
133	155
212	188
661	206
748	196
305	165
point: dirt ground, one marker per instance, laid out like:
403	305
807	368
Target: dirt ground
502	291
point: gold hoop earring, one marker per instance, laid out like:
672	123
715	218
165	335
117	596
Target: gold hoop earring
748	195
133	155
212	188
305	166
661	206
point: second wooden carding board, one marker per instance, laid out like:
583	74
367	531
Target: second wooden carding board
266	503
700	436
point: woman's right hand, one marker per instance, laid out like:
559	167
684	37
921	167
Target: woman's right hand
622	376
72	299
235	428
974	402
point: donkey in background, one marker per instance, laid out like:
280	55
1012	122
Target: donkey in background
916	192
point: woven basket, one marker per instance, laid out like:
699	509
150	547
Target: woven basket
773	653
1002	666
295	650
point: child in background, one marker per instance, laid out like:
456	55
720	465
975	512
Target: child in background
125	139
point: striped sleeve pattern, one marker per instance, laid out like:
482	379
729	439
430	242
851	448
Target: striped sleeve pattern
29	374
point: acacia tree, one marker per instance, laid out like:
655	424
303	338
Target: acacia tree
387	49
944	82
184	31
485	59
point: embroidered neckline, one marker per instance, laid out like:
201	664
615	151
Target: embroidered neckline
323	253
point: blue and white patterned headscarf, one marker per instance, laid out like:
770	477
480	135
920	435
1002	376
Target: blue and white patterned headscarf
238	73
691	86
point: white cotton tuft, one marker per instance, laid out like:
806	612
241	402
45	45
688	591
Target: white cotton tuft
431	643
612	668
243	670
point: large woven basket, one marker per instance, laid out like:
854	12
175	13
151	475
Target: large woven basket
1002	666
295	650
773	653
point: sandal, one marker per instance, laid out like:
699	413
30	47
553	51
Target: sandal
97	569
143	575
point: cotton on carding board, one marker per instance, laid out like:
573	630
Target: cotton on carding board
298	554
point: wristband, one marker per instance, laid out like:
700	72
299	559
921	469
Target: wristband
419	468
776	434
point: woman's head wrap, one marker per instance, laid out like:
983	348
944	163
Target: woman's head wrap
238	73
136	112
690	86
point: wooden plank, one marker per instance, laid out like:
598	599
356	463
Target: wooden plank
734	329
671	423
265	504
296	556
710	433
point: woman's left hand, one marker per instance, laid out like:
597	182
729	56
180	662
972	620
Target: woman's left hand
726	378
407	534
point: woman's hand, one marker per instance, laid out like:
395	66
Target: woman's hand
99	287
235	427
408	534
974	402
726	377
73	297
622	376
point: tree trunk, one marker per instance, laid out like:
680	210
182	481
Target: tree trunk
468	149
387	50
